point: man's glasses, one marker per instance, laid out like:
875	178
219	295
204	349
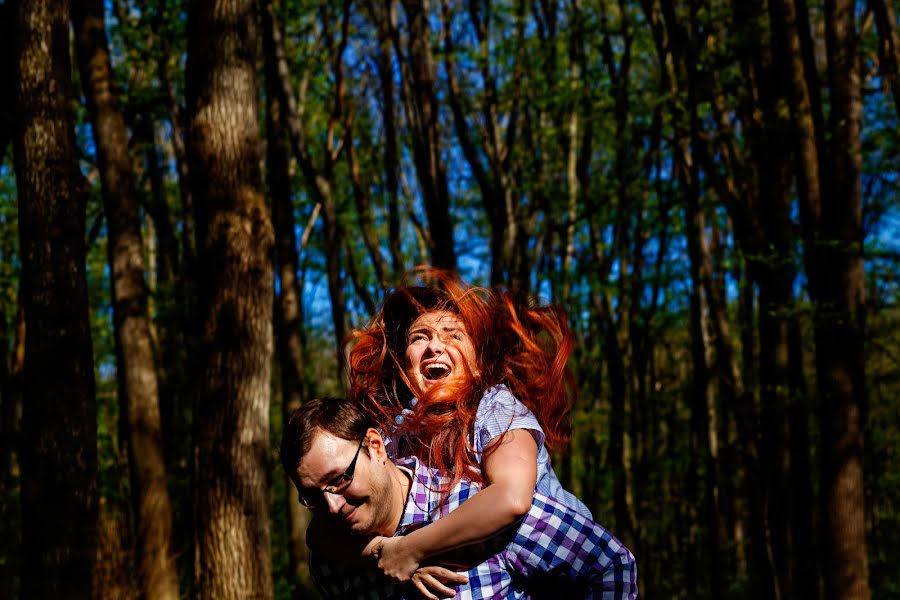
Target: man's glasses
314	498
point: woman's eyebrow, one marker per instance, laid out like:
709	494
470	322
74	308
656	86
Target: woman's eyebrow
418	329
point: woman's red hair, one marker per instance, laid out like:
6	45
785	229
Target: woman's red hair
517	343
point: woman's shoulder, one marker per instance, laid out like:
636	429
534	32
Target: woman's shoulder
499	412
499	399
498	396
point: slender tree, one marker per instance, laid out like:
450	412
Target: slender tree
138	385
511	220
888	45
319	176
7	70
235	287
59	452
419	95
289	337
834	234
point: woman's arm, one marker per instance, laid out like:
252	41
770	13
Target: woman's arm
510	469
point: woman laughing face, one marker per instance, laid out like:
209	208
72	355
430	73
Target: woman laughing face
438	348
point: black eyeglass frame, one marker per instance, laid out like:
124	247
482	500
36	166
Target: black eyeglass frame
343	481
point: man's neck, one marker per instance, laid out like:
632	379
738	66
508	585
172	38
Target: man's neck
401	482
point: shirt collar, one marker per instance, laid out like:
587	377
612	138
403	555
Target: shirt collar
426	500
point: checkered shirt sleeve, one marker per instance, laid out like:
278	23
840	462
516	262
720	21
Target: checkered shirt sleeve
554	543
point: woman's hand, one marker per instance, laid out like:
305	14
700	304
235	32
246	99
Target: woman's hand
397	559
431	580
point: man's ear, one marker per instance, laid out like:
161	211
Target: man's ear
375	443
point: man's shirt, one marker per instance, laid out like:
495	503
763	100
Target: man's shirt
553	546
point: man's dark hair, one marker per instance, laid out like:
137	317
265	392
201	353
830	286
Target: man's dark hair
341	417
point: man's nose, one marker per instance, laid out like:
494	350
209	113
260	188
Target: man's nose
334	501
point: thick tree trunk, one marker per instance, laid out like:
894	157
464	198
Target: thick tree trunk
138	385
59	449
235	276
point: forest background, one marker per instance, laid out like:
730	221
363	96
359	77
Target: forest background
198	202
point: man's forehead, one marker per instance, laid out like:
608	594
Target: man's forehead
326	457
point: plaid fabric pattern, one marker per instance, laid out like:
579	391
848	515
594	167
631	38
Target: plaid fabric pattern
555	552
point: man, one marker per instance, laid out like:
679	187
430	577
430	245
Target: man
338	462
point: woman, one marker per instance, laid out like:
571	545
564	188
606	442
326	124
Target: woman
475	383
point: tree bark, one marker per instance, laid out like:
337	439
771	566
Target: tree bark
59	449
496	181
10	434
888	46
289	302
7	72
319	178
138	384
389	120
838	292
419	94
235	287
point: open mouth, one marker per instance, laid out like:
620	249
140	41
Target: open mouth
435	371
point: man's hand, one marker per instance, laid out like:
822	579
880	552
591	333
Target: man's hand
430	580
397	559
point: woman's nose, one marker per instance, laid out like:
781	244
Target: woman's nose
436	344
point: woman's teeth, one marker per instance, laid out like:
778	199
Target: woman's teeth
436	371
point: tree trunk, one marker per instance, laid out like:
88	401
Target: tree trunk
420	97
59	449
7	73
839	296
319	179
289	307
888	46
704	451
138	385
495	179
10	429
235	285
389	120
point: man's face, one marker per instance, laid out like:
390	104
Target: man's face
438	348
363	506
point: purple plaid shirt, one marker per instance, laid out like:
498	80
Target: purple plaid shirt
555	552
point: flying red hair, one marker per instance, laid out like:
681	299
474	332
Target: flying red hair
517	343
